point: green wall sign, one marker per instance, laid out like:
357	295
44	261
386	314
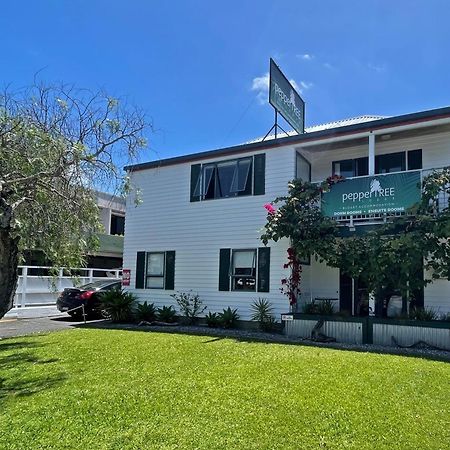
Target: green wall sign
284	98
378	194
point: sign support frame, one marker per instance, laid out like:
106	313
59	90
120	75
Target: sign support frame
275	126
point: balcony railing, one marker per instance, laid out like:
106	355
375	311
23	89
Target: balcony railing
442	202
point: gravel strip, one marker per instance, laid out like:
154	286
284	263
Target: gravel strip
251	335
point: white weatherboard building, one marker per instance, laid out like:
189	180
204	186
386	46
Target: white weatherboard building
198	227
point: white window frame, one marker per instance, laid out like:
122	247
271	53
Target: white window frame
232	269
163	276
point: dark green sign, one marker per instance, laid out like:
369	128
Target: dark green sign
378	194
284	98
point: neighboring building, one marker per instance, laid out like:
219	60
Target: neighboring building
198	227
109	254
112	217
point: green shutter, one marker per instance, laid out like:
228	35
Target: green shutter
195	173
170	271
263	269
140	270
259	181
224	269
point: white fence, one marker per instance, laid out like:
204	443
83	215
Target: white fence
37	286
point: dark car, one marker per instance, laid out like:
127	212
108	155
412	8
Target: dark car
87	295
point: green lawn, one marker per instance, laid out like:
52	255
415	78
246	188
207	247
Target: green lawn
105	389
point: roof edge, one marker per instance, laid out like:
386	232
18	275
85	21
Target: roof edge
420	116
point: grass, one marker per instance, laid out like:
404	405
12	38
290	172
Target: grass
112	389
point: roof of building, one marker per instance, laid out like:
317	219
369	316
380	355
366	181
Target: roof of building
324	126
318	132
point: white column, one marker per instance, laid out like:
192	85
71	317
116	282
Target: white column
371	154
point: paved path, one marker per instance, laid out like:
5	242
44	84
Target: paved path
11	327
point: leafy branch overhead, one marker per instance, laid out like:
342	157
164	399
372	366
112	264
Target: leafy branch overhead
388	255
57	145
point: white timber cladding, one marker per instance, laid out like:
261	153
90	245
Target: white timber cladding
196	231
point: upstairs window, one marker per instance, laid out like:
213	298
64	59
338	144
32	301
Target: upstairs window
117	224
388	163
348	168
225	179
232	178
391	162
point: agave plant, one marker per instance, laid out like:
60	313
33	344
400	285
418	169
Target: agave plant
263	314
229	317
166	314
117	305
212	320
145	311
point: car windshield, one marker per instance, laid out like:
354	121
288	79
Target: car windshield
98	284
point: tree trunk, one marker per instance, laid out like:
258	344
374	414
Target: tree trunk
9	255
9	261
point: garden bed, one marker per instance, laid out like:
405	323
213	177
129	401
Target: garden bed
368	330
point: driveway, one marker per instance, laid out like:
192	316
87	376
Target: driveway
12	327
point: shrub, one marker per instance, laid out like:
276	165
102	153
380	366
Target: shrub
263	314
166	314
117	305
309	307
190	305
423	314
445	317
145	311
228	318
212	320
325	307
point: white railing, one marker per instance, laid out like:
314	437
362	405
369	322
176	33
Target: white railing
38	286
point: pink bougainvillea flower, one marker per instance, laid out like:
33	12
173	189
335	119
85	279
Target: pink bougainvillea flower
270	208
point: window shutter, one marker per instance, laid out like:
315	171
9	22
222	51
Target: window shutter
259	182
170	271
263	269
140	270
195	173
224	269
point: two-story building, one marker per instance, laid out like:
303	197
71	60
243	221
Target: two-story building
199	225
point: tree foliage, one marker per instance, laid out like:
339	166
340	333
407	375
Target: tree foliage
57	145
388	256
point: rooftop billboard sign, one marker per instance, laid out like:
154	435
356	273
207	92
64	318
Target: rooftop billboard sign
284	98
378	194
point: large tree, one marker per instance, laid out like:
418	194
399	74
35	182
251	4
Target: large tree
57	145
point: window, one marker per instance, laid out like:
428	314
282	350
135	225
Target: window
232	178
414	159
303	168
391	162
243	270
388	163
117	224
348	168
155	270
225	179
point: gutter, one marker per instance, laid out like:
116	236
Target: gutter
380	126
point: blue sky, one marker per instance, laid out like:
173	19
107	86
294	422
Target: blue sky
192	64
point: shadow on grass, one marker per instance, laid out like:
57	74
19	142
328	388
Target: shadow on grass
20	373
216	334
